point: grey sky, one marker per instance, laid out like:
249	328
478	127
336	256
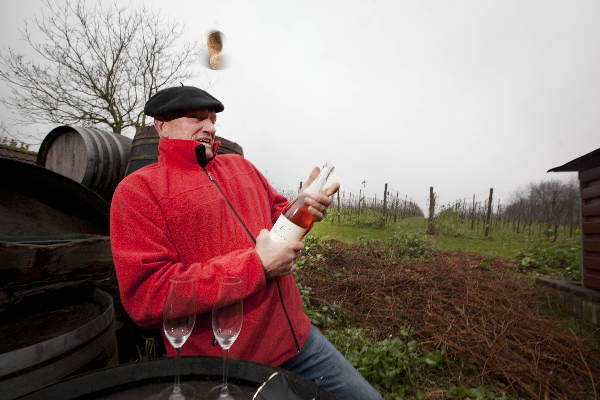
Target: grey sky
459	95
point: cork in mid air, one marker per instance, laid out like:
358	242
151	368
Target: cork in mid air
214	44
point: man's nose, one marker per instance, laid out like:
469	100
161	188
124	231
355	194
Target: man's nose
210	127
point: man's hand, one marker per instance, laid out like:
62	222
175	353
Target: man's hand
317	205
278	258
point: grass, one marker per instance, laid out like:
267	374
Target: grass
368	228
497	245
500	243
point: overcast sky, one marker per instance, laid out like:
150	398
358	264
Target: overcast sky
458	95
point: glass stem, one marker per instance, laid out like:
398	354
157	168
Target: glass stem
225	389
177	388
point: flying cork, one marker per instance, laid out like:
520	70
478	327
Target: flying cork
215	46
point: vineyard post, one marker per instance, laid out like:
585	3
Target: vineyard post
519	215
489	213
473	215
385	205
552	217
351	207
498	213
396	207
359	201
457	208
339	210
430	227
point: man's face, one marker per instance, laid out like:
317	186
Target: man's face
194	125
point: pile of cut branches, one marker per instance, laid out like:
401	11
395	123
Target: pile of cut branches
488	319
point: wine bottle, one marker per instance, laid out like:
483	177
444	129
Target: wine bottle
296	221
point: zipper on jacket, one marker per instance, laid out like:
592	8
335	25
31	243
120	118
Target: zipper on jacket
229	204
254	241
286	315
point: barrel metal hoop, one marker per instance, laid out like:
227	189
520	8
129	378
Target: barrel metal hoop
95	165
91	154
108	174
124	147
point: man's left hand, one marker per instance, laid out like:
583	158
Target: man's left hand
317	205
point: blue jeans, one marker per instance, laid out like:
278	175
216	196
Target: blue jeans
319	358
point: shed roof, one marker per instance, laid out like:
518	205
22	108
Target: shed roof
18	154
583	163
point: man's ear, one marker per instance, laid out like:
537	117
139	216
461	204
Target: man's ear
159	126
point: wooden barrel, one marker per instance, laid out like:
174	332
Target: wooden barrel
92	157
32	267
35	201
144	148
229	147
144	380
54	232
47	338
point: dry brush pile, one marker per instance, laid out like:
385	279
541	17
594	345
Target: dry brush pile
489	320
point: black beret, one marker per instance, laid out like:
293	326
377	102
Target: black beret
181	99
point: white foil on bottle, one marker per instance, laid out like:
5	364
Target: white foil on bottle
285	230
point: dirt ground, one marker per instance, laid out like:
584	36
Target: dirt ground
500	330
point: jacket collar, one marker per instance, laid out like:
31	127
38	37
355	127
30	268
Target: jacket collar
181	153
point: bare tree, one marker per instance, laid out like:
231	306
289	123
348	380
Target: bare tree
549	203
94	64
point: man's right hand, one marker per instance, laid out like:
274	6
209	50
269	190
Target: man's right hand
278	258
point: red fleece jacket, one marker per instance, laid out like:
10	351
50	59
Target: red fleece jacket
169	220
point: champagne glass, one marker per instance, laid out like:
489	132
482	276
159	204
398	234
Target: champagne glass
227	317
179	317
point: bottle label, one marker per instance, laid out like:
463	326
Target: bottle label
285	230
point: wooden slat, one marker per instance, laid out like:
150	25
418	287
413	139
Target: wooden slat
589	175
590	227
591	210
28	269
592	262
590	192
68	156
591	279
591	245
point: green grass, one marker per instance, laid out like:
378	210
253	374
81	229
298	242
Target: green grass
500	243
493	245
351	233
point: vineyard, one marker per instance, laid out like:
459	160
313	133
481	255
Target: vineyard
544	210
445	307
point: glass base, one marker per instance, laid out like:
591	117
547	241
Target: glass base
181	392
220	393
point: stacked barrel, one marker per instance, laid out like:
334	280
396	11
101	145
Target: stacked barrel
59	291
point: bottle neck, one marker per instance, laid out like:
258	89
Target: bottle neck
317	185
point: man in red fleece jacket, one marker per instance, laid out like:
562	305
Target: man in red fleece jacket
196	214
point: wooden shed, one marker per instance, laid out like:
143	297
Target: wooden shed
18	154
588	168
